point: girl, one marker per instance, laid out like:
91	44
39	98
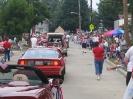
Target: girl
120	62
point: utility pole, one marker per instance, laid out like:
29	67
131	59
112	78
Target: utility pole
91	11
125	9
79	17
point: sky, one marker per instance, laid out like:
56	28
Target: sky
94	6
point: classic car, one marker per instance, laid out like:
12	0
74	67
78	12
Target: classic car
56	39
28	82
49	60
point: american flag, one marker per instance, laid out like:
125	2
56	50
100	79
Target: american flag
3	65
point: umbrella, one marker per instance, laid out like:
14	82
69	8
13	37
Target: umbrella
106	34
117	32
110	32
122	31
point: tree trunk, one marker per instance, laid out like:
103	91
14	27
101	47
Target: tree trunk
132	26
33	29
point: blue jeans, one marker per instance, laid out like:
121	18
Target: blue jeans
98	66
7	54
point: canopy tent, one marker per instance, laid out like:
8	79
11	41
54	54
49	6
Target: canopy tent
114	32
59	30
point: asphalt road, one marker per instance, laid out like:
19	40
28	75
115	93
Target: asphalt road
80	79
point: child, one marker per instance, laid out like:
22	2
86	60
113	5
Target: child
120	62
20	47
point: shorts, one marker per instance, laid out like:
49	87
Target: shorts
34	46
119	66
84	45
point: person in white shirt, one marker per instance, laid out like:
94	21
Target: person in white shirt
128	61
33	41
96	38
75	38
116	39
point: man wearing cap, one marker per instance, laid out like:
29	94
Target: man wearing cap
33	41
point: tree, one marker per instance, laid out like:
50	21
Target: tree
16	17
55	9
70	21
41	12
108	12
131	11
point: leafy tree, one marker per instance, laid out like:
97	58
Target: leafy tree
130	2
70	21
108	12
55	9
41	12
16	17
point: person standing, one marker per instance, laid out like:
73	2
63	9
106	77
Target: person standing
98	59
7	48
33	41
128	61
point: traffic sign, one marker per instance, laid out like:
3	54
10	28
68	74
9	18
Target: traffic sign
91	27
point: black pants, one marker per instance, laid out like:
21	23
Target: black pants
7	54
128	77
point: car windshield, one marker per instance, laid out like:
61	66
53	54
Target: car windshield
40	53
31	76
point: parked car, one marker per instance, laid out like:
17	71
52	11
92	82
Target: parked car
49	60
28	82
57	40
1	47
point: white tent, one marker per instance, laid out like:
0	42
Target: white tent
59	30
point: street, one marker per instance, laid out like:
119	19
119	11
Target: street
80	79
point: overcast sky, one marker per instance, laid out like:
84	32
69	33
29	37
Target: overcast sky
94	6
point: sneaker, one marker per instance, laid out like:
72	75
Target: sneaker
98	78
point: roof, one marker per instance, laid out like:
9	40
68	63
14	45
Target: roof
59	30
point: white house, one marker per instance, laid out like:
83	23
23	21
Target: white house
120	22
44	27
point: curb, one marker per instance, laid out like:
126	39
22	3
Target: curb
124	73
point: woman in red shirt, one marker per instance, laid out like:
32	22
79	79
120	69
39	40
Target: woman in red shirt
98	59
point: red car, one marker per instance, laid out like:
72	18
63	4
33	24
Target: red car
49	60
1	47
27	82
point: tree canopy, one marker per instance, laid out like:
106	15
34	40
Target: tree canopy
18	16
109	11
15	17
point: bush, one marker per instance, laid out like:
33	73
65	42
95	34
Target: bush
131	44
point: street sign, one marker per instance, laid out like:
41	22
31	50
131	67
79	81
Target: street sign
91	27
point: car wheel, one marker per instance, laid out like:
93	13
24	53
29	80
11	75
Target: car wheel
65	70
62	75
66	54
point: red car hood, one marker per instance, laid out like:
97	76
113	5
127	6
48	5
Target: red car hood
6	91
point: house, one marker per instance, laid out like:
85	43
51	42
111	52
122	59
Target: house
43	27
119	23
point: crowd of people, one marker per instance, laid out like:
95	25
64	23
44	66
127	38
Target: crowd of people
113	47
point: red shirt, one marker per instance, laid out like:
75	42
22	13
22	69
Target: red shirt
98	53
7	45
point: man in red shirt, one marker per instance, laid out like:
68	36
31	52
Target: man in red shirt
7	48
